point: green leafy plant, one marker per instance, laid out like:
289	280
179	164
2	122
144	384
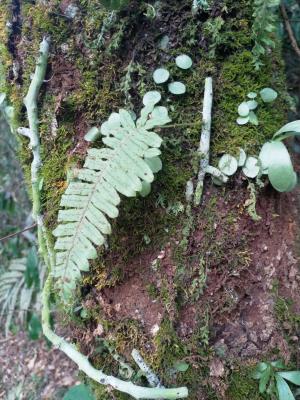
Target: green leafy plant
273	381
18	286
263	26
162	75
247	107
273	160
93	197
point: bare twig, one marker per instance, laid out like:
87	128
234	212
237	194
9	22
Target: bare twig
289	29
204	145
18	233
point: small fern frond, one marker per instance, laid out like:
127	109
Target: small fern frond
12	287
129	160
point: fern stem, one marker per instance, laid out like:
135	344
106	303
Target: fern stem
204	145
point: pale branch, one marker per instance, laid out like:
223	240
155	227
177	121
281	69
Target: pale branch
137	392
204	145
150	375
82	361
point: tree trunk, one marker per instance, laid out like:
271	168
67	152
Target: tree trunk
203	293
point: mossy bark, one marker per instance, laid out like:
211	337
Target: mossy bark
99	63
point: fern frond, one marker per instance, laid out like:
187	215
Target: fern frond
130	158
12	288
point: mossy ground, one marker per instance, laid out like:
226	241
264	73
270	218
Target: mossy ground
93	89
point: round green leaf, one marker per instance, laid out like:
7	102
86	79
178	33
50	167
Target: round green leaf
268	95
152	97
92	134
252	167
282	177
271	153
251	95
243	109
177	88
252	104
228	164
253	118
242	158
183	61
242	120
161	75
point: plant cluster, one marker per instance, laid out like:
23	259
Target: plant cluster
125	166
273	160
263	27
162	75
246	108
274	381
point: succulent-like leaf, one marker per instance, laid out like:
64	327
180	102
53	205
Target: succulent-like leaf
242	158
268	95
290	129
242	120
284	392
151	98
252	167
228	164
291	376
161	75
177	88
252	104
130	158
243	109
252	95
183	61
253	118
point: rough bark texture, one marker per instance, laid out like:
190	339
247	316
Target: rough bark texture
211	287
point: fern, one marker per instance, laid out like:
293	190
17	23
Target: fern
12	289
263	26
125	167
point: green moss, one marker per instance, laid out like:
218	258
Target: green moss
237	78
242	386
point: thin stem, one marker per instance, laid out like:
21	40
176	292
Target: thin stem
18	233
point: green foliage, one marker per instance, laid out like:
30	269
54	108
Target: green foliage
79	392
246	108
275	382
121	167
264	24
17	288
114	4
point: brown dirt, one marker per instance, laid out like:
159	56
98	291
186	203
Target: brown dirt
240	297
42	373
